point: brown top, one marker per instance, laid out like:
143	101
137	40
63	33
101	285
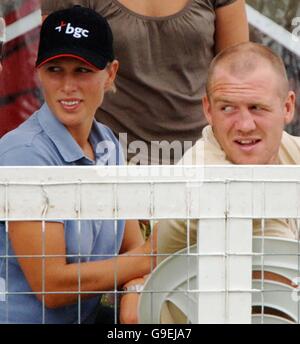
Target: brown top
163	69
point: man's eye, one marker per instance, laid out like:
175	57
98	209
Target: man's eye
227	108
256	108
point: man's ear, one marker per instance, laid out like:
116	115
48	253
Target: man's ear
112	72
207	109
289	107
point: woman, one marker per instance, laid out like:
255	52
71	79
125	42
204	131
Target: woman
164	48
76	67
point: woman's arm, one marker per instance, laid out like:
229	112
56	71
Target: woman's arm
129	301
27	239
231	25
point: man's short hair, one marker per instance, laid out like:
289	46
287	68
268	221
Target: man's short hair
247	57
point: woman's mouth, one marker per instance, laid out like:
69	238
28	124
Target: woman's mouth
70	104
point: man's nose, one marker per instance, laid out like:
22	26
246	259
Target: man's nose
245	121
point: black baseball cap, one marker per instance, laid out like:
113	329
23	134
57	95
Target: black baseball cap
77	32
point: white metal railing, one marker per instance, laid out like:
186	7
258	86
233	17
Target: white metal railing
224	198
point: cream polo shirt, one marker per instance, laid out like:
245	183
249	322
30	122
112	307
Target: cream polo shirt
172	235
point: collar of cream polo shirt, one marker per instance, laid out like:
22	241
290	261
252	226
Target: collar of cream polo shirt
208	151
65	143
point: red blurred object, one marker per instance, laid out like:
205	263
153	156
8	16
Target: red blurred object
19	91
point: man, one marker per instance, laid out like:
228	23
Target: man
247	105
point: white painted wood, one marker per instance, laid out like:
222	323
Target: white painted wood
255	192
211	272
239	270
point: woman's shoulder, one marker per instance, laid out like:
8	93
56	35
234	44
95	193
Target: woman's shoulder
23	146
110	142
106	132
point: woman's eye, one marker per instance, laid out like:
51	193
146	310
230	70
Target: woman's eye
84	70
53	69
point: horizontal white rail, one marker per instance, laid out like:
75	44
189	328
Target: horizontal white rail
213	192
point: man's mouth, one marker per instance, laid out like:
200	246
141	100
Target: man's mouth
247	144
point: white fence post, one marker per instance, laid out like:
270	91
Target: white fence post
224	270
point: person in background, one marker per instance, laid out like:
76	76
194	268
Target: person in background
77	68
164	49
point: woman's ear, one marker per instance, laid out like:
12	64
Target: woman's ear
112	70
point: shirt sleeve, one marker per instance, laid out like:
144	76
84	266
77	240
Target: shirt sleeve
221	3
49	6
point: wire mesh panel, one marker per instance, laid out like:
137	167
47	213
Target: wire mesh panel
210	282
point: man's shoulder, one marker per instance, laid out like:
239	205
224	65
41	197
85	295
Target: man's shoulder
289	152
292	138
194	155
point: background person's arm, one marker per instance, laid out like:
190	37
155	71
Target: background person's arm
133	236
27	239
231	25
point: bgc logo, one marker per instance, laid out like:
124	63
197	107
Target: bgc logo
76	32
